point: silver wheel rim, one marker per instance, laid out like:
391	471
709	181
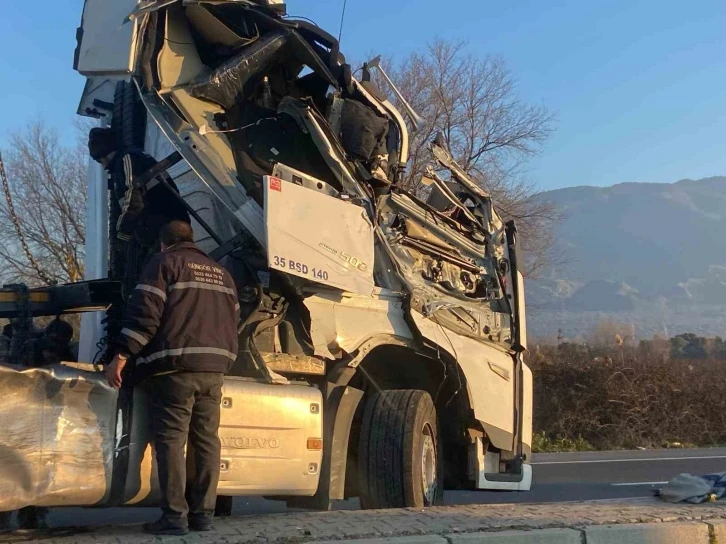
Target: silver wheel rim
428	465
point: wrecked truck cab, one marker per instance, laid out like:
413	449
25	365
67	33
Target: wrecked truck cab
370	313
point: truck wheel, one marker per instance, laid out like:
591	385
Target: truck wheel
129	116
223	507
400	457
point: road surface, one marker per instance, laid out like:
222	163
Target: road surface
557	477
603	475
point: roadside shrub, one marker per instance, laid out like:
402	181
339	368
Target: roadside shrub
544	444
625	398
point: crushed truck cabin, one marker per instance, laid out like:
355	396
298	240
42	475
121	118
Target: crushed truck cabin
382	329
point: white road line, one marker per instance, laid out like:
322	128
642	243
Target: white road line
619	499
638	483
628	460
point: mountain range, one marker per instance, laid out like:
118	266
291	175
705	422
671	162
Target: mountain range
650	255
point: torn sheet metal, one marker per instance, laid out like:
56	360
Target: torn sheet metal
203	156
342	321
56	438
486	369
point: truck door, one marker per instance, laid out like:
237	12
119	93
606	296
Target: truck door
107	41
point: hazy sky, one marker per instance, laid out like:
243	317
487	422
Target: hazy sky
638	87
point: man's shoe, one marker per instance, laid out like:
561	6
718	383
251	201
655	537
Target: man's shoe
163	526
200	523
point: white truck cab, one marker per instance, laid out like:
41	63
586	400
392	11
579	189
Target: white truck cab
383	330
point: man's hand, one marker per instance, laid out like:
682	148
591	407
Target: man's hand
113	371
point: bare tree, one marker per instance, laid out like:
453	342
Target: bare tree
610	333
43	208
490	131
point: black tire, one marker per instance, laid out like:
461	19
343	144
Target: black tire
118	110
5	522
129	116
223	508
400	459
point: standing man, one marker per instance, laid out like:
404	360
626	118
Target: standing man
137	212
142	209
181	327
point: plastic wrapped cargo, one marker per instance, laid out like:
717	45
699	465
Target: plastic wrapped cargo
224	85
56	438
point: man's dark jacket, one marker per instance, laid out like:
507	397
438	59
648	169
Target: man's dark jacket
182	316
150	205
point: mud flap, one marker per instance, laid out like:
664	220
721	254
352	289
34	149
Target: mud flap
340	408
121	454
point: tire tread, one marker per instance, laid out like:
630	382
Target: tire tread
389	473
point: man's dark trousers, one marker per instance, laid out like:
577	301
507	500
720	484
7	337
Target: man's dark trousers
186	406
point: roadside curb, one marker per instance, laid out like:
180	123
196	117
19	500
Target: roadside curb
538	536
645	521
672	533
428	539
635	533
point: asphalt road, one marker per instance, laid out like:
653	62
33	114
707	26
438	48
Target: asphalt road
603	475
557	478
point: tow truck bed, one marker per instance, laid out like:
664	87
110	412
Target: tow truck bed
87	296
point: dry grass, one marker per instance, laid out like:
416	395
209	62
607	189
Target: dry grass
625	399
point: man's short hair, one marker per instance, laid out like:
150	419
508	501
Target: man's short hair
101	143
176	232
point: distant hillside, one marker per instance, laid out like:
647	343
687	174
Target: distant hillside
651	254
